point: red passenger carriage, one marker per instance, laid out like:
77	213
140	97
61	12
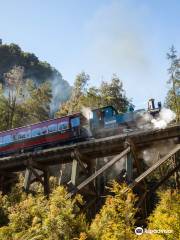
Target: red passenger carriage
43	134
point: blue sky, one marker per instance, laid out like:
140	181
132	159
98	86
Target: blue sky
129	38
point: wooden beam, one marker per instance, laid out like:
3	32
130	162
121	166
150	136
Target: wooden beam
155	166
170	173
74	171
27	179
100	171
37	175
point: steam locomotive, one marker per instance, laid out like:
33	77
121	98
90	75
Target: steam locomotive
102	122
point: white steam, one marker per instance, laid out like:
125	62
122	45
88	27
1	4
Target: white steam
146	121
61	91
87	113
114	171
166	116
158	150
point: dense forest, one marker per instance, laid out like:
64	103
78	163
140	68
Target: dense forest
26	96
39	72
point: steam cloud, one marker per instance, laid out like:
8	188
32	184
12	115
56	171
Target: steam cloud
87	113
150	155
61	92
166	116
147	121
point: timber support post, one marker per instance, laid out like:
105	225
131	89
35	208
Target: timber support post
27	179
79	167
74	171
36	173
99	172
129	166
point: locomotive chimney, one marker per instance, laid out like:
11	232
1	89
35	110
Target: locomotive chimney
151	104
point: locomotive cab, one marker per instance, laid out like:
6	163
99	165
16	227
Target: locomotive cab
103	117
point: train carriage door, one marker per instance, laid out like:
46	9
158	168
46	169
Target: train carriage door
110	117
75	125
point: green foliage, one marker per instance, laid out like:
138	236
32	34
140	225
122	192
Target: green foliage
173	95
173	104
36	217
38	101
39	72
113	94
165	217
116	218
64	220
23	102
27	217
11	55
167	214
107	94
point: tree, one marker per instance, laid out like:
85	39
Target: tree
38	101
173	96
165	217
23	102
116	218
64	220
36	217
78	94
111	93
12	95
39	72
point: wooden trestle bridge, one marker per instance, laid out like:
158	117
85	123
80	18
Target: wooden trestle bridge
81	155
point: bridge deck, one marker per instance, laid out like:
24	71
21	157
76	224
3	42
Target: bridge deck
89	149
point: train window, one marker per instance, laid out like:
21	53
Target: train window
63	126
28	134
36	132
75	122
7	139
21	135
44	130
15	137
60	127
52	128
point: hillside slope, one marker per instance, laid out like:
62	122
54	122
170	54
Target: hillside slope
35	69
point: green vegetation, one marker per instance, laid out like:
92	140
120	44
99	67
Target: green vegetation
22	102
28	217
39	72
12	55
173	96
116	218
165	217
26	96
35	217
109	93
